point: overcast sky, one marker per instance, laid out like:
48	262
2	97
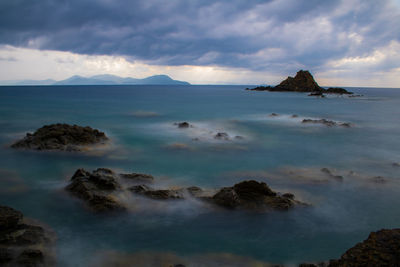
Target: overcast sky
343	43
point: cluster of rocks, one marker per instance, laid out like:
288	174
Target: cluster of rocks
62	137
100	187
326	122
219	136
303	82
23	244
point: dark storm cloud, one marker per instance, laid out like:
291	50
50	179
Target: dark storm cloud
261	35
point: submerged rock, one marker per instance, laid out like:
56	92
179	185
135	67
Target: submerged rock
23	244
330	175
328	123
381	248
253	195
63	137
222	136
182	125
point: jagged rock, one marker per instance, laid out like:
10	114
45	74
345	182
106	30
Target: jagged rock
63	137
23	244
381	248
158	194
222	136
302	82
253	195
96	189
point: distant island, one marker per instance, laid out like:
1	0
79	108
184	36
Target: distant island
303	82
104	79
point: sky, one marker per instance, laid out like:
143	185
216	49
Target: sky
341	42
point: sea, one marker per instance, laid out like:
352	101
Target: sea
360	193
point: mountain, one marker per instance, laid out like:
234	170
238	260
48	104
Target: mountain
28	82
103	79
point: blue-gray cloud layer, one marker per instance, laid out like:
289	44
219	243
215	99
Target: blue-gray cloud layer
260	35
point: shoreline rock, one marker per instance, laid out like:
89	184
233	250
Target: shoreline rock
326	122
63	137
381	248
23	244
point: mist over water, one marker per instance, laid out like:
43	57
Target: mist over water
279	150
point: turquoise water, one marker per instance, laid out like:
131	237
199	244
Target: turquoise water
281	151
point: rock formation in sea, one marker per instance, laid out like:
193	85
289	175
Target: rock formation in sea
253	195
62	137
22	243
381	248
100	189
302	82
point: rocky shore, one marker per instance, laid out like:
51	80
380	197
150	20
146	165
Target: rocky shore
100	188
22	243
303	82
62	137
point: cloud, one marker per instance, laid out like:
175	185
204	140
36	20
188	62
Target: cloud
224	33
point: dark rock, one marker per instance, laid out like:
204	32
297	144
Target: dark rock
238	137
138	177
381	248
396	164
96	188
182	125
260	88
23	244
273	115
302	82
252	195
160	194
31	257
222	136
318	93
288	195
327	123
295	116
320	121
195	191
9	217
61	137
337	90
